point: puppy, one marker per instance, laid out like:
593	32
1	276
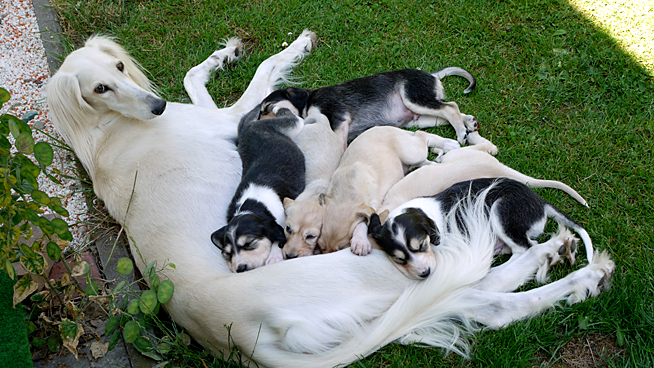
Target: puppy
373	162
517	215
273	169
400	98
322	149
467	163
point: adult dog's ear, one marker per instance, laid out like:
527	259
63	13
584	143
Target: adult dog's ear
218	237
298	97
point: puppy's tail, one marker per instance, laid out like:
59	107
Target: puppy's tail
563	219
445	72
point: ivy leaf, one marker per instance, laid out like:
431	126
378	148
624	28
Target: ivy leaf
124	266
43	153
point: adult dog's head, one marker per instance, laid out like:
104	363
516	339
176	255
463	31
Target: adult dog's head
247	240
294	99
407	239
97	84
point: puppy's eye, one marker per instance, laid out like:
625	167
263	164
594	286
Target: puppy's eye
309	237
288	230
120	66
249	246
100	89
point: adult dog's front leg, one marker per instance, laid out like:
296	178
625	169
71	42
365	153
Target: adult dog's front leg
273	71
496	309
196	79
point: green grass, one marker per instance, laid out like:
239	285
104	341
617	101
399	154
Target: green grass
556	94
14	346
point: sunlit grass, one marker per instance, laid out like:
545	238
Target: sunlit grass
629	22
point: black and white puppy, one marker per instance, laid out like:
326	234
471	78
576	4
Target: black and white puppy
273	169
401	98
517	216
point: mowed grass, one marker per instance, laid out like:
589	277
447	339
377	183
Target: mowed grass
556	95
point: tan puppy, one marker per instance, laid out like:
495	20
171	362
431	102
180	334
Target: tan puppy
322	150
370	166
467	163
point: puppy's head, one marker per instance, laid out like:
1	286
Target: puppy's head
339	222
247	240
294	99
407	239
302	228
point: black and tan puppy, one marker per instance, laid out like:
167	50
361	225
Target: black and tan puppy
400	98
517	216
273	169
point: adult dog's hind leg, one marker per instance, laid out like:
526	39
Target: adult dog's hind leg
498	309
272	71
196	79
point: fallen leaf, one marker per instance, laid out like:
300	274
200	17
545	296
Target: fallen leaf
98	349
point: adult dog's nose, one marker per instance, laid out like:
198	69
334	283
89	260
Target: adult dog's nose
157	105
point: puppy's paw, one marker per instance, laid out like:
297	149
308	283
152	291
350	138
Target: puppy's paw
360	247
470	122
449	144
569	248
274	256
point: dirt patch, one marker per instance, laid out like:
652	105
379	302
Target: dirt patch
592	350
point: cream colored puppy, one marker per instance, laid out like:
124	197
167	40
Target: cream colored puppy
322	150
373	162
467	163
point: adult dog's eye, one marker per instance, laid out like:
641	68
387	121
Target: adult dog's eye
120	66
100	89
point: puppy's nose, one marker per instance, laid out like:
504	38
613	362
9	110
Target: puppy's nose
290	256
241	268
157	105
425	273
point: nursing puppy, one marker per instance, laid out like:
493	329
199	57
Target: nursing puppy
373	162
273	169
467	163
322	149
517	216
400	98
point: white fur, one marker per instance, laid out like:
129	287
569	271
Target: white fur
268	197
177	174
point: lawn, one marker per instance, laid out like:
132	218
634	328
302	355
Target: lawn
557	95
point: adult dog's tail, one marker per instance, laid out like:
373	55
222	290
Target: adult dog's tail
453	70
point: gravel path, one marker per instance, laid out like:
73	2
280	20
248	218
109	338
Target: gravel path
24	73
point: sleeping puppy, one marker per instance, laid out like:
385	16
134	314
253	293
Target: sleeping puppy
517	215
322	149
273	169
400	98
373	162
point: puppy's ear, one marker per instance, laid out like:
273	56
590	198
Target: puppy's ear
276	234
298	97
384	216
323	199
364	212
218	237
432	230
375	226
288	202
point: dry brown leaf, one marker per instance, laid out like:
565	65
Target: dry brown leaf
98	349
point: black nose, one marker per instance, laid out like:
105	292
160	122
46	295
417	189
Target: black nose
242	268
290	256
157	105
425	273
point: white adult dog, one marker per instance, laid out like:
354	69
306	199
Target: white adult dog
168	173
